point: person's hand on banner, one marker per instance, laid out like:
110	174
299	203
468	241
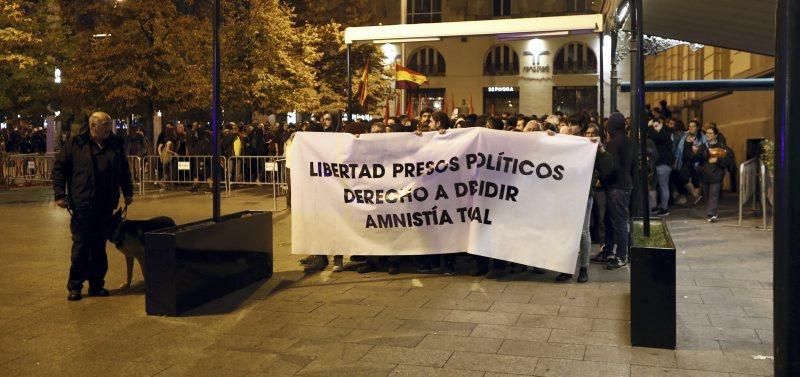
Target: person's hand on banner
550	133
442	131
418	133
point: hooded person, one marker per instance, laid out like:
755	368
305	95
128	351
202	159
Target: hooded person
619	184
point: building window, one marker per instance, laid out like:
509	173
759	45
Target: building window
499	100
424	11
501	8
427	98
572	100
577	7
501	60
575	58
427	60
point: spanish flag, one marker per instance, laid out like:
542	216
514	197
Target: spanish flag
408	79
362	87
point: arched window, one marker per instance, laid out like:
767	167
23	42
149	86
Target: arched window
501	60
575	58
427	60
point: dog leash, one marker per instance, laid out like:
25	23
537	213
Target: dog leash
123	216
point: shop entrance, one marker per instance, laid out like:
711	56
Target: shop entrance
571	100
499	99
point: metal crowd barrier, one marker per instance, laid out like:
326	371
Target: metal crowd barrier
258	170
752	186
135	164
26	169
179	170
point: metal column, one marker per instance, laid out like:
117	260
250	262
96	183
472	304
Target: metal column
349	88
786	238
612	91
637	109
602	83
215	89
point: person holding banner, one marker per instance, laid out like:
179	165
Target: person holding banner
603	163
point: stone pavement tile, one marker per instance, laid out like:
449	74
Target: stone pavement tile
696	343
541	289
563	367
589	337
282	318
735	300
619	312
613	325
690	298
434	282
520	298
732	321
419	371
550	322
759	311
632	355
189	369
250	343
729	283
290	294
581	290
399	338
415	313
460	343
348	297
693	319
716	361
252	362
756	293
396	301
271	305
403	355
310	332
366	323
746	348
765	335
709	309
649	371
492	363
494	318
479	286
535	309
438	294
511	332
350	310
329	350
542	349
374	291
589	301
326	368
719	333
478	305
437	327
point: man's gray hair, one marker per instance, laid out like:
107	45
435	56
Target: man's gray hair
100	118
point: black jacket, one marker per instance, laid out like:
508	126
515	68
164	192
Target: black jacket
663	141
712	172
619	177
74	170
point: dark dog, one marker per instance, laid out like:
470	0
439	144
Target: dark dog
128	237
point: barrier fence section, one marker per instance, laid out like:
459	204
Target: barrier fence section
194	170
258	171
752	186
26	169
135	164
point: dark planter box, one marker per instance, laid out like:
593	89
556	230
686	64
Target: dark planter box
653	289
189	265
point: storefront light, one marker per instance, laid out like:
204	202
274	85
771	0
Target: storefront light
389	53
536	46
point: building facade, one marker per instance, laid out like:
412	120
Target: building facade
488	75
740	116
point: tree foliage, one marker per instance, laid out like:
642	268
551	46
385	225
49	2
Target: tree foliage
26	75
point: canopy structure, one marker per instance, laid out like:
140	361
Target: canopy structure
743	25
506	29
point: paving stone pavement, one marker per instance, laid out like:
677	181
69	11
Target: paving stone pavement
332	324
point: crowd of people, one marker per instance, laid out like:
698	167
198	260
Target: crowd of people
684	166
23	139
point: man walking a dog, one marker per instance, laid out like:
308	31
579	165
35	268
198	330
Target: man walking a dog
88	174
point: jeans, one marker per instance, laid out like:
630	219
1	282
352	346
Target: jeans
88	260
586	238
599	216
662	173
618	202
712	192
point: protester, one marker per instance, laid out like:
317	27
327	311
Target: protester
713	159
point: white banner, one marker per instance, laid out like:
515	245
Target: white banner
519	197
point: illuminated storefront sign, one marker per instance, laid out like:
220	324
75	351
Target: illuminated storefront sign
494	89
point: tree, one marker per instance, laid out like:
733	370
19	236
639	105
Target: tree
137	57
26	72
